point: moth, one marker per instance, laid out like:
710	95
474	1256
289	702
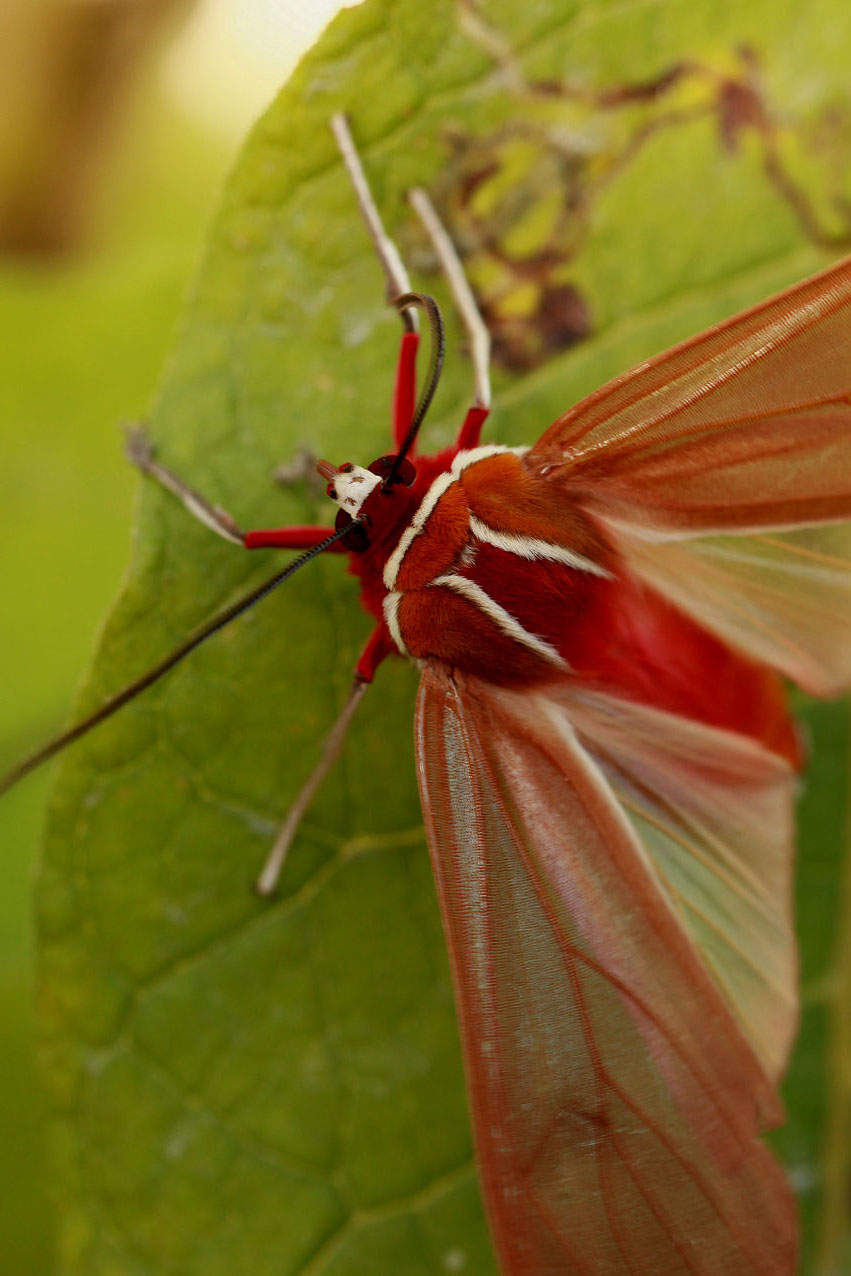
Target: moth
607	765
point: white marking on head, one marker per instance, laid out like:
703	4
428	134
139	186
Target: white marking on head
352	487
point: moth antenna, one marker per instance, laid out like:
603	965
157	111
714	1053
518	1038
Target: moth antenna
398	283
332	747
135	688
477	331
438	348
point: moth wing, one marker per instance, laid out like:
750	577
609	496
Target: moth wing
715	812
783	597
743	427
742	431
615	1101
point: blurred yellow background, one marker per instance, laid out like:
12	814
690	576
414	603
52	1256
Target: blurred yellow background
117	124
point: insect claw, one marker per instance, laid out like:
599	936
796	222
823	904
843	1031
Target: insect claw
138	447
267	882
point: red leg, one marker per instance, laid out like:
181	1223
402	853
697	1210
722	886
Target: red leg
405	389
471	431
292	538
378	647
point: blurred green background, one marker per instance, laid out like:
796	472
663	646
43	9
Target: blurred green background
117	124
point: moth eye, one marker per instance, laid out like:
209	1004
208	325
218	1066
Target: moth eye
358	538
331	491
346	467
407	472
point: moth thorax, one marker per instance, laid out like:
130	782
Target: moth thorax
352	485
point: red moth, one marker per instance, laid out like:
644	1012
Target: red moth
606	762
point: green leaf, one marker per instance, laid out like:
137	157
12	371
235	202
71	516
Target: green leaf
276	1087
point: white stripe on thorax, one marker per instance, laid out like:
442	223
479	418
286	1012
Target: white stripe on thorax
475	454
502	619
391	616
441	484
532	548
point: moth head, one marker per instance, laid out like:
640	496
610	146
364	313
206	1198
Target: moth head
349	485
352	487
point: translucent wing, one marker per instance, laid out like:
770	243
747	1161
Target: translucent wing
744	427
784	597
616	1102
744	430
715	812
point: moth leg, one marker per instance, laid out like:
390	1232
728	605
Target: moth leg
379	645
139	450
396	277
398	283
388	254
478	336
